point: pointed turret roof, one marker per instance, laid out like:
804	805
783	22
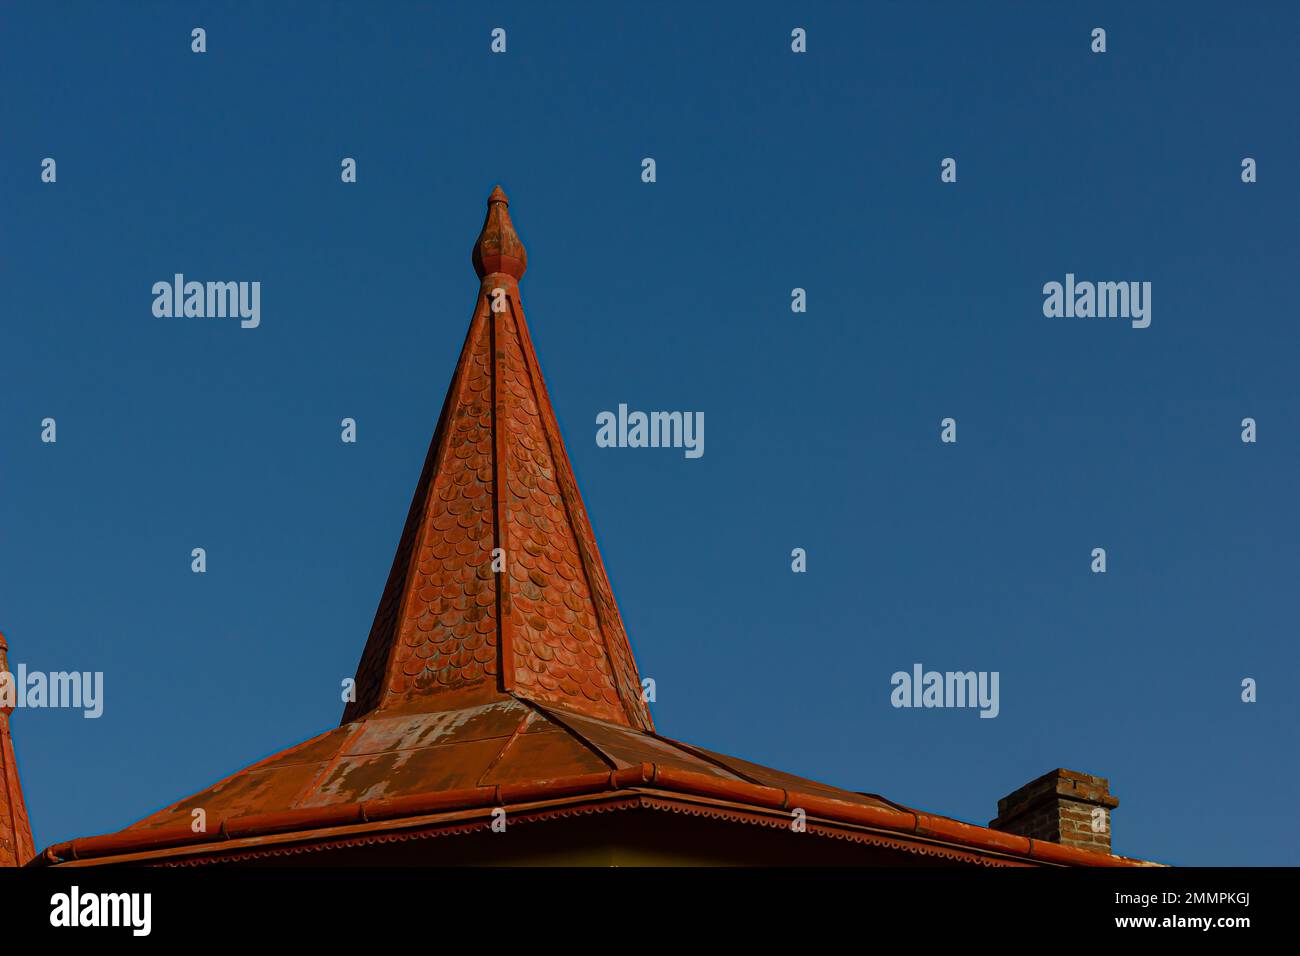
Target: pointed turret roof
498	588
16	846
498	676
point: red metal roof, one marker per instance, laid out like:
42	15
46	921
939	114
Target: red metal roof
482	688
426	773
450	630
16	846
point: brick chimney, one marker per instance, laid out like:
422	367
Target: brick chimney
1059	807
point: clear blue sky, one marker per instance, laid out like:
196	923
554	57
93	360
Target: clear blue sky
774	171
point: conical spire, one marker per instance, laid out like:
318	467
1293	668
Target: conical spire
497	588
16	846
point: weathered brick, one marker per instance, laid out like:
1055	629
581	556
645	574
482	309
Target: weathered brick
1058	807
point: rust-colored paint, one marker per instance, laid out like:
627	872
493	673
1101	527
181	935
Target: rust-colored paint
617	829
533	797
498	249
545	628
16	846
481	688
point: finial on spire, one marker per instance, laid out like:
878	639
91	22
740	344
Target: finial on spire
498	248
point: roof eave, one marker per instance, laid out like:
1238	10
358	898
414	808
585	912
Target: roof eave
453	806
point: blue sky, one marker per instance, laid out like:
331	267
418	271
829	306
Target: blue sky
775	171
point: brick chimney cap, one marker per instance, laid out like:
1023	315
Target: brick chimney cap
1071	784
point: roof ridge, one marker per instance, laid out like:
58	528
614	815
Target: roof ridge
564	725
